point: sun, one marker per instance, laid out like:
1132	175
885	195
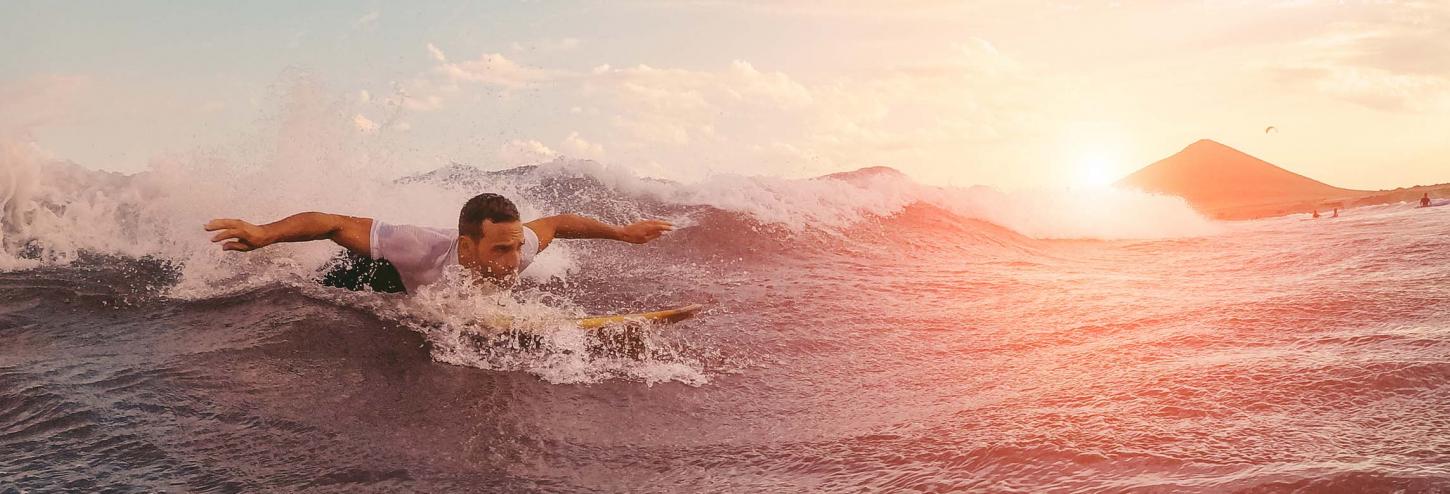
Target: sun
1093	170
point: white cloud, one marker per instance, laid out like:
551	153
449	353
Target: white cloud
742	114
492	69
436	53
525	152
680	106
577	147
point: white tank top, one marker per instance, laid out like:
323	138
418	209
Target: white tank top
421	253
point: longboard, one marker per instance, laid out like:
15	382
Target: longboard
657	317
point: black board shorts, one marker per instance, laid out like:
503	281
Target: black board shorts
354	272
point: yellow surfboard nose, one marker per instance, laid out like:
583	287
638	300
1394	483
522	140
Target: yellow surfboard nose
657	317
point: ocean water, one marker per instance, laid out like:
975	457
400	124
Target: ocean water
863	333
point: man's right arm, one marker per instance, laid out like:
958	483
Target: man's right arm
348	231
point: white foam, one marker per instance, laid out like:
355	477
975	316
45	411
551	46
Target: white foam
473	326
17	183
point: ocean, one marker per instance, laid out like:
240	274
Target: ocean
863	332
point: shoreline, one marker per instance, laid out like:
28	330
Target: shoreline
1238	212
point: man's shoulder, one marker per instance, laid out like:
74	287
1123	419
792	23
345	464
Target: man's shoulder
413	244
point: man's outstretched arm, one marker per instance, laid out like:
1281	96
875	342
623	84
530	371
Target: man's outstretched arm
347	231
575	226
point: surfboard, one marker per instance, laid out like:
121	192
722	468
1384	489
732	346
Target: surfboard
666	316
623	335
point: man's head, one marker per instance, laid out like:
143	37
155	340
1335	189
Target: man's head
490	236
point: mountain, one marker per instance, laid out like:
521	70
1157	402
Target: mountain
1227	183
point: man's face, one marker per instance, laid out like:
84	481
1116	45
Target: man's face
497	254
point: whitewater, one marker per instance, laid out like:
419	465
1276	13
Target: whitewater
863	332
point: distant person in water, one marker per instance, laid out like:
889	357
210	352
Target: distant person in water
1316	213
1425	200
490	241
1336	213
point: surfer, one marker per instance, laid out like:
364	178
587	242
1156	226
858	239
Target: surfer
490	241
1316	213
1425	200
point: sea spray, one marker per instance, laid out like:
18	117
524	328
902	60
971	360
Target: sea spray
481	325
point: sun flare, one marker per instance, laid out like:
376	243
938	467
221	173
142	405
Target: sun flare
1093	170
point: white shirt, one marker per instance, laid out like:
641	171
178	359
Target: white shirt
421	253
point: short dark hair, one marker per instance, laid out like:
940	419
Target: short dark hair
486	206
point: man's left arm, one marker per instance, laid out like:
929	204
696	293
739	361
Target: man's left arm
576	226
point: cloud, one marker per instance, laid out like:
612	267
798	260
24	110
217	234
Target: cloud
367	20
577	147
680	106
417	94
363	124
436	53
525	152
970	94
492	69
1392	59
496	69
1370	87
682	89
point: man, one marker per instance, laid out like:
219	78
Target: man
490	241
1425	200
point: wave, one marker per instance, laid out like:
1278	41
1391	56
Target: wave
56	213
58	209
309	156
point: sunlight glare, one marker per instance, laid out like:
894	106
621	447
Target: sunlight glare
1093	170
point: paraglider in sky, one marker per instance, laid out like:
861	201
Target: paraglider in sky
1271	130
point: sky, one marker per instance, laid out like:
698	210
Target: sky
1013	94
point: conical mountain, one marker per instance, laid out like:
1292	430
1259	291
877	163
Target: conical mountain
1228	183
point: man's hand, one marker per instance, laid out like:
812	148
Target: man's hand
347	231
643	231
238	235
